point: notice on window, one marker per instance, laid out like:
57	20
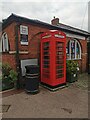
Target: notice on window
24	39
23	29
24	35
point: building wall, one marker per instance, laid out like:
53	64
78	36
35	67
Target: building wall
32	50
8	57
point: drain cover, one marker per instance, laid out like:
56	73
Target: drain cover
5	108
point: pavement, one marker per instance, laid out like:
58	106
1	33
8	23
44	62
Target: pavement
69	102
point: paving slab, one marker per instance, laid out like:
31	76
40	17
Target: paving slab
69	102
48	104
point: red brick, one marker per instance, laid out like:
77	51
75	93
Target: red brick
34	44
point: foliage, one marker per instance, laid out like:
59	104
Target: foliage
72	67
6	69
8	74
13	75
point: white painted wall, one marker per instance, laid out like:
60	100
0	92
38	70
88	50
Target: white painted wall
27	62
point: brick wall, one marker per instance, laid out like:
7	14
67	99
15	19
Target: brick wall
10	59
10	30
33	48
34	38
6	57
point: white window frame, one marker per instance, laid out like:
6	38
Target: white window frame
4	42
23	32
76	42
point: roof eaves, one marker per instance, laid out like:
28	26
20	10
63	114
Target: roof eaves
20	19
72	28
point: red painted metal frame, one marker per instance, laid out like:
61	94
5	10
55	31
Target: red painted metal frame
49	36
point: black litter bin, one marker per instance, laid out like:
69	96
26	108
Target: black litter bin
32	79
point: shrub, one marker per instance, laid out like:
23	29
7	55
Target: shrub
6	69
72	67
9	76
13	76
72	71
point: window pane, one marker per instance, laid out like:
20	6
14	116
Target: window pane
68	50
5	42
77	51
73	49
7	45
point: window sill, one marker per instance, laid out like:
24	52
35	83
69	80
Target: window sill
75	59
4	52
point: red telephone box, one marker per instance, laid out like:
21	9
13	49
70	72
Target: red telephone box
53	58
